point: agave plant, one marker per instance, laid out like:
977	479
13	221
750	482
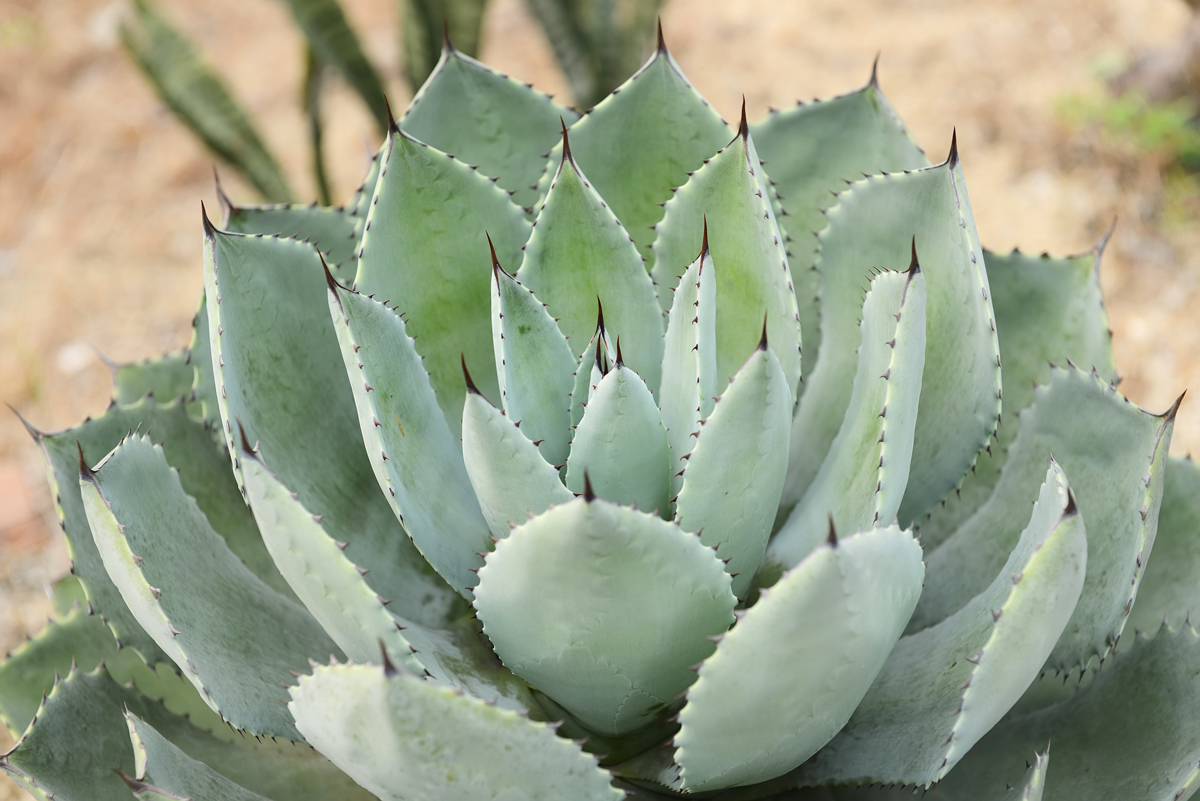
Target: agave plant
511	479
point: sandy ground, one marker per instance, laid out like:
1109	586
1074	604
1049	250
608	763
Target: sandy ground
100	186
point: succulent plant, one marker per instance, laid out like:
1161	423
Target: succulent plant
510	479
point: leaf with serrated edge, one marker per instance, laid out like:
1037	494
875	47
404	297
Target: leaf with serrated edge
416	456
425	251
359	206
728	199
873	226
734	476
862	481
621	445
330	230
535	366
603	608
787	677
1169	590
941	690
1117	479
166	377
282	380
232	636
513	125
157	760
406	740
578	253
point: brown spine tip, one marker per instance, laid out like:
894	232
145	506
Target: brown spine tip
620	358
389	669
447	45
495	261
210	230
914	266
566	142
1169	414
662	43
743	126
1071	509
952	159
247	448
135	786
38	436
471	388
223	199
85	472
599	317
874	82
832	539
589	494
704	243
762	343
393	126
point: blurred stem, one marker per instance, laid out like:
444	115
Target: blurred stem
314	78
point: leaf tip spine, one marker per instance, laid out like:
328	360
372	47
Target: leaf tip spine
471	388
952	158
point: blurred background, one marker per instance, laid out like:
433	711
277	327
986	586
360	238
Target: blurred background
1070	113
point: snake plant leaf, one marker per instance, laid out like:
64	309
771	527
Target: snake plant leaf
173	773
787	677
513	124
281	378
329	229
874	225
511	479
599	352
1118	479
941	690
734	476
810	151
407	740
603	608
430	26
1048	311
415	454
729	198
578	253
425	250
621	445
165	377
689	369
655	126
1167	591
199	97
334	42
233	636
535	366
862	481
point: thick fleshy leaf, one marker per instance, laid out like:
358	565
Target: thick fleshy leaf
621	445
579	254
728	200
786	678
809	151
874	225
862	481
330	230
166	377
513	124
1117	478
425	251
734	476
204	405
175	774
407	740
655	126
604	609
941	690
415	454
535	366
231	635
282	381
1169	590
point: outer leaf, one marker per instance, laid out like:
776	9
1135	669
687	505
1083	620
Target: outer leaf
233	636
173	772
166	377
786	678
415	454
940	691
407	740
200	98
604	608
1169	590
513	125
425	250
734	477
728	198
579	254
862	481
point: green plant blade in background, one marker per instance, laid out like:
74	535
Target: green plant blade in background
425	27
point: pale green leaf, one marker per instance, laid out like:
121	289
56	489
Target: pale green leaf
166	377
173	772
1169	590
330	230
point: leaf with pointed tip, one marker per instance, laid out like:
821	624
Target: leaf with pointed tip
1117	478
167	377
173	773
941	690
728	199
282	380
1048	311
1035	777
413	451
621	445
1169	590
535	367
599	351
689	369
579	254
425	251
512	127
655	126
233	637
809	153
603	608
510	478
427	30
874	225
330	230
734	476
862	481
787	677
407	740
